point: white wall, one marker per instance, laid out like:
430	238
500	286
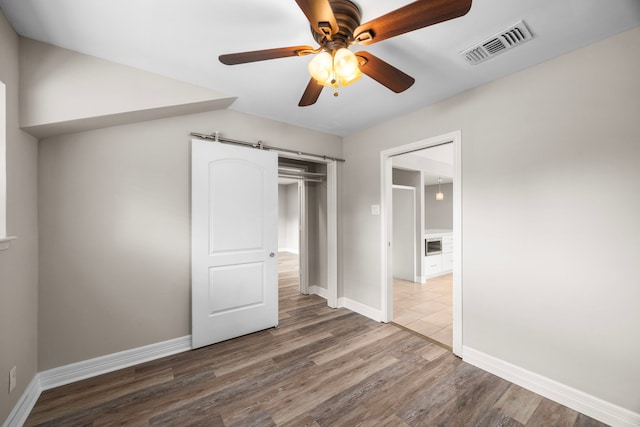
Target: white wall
103	93
550	208
18	263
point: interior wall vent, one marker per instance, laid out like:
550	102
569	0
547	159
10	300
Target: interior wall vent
509	38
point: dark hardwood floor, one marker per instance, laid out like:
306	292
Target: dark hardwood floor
322	367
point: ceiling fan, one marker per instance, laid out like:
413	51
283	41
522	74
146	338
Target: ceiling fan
335	25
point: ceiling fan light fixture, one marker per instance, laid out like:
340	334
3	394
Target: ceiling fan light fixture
330	69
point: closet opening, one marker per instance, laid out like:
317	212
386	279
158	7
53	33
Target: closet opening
306	237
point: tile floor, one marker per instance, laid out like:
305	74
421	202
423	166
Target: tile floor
425	308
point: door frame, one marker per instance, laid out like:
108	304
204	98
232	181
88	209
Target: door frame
386	181
332	226
303	239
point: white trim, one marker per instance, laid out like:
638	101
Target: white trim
457	243
587	404
360	308
303	238
112	362
3	164
318	290
73	372
332	234
19	414
387	232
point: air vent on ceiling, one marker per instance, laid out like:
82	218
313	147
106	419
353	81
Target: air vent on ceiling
498	43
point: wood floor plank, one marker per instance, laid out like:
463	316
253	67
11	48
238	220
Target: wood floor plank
396	390
322	367
466	391
518	403
284	392
549	414
329	354
319	393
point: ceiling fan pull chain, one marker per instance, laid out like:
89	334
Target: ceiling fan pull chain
334	80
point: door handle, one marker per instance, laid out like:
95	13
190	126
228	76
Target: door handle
272	254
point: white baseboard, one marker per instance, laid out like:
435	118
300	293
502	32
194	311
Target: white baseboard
73	372
587	404
27	401
112	362
365	310
320	291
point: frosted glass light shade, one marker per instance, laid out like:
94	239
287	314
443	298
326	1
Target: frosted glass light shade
346	80
321	68
345	62
439	196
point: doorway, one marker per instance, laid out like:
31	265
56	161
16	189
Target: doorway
455	139
308	225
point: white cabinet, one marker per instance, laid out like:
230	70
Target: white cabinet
432	265
447	244
440	263
447	262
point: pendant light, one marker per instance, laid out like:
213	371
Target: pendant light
439	194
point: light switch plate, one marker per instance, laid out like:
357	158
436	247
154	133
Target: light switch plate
375	209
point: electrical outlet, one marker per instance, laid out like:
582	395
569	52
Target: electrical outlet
12	379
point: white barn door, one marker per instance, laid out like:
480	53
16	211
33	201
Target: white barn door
234	241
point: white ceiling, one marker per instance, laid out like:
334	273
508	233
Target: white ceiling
182	40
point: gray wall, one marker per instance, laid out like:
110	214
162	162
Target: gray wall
438	213
19	263
544	190
414	179
317	227
115	230
288	217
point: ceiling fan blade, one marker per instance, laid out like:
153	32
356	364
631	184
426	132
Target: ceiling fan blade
261	55
311	93
413	16
383	72
320	16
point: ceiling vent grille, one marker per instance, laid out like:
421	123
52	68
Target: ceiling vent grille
511	37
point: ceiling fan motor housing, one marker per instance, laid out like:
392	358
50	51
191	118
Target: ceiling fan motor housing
348	16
